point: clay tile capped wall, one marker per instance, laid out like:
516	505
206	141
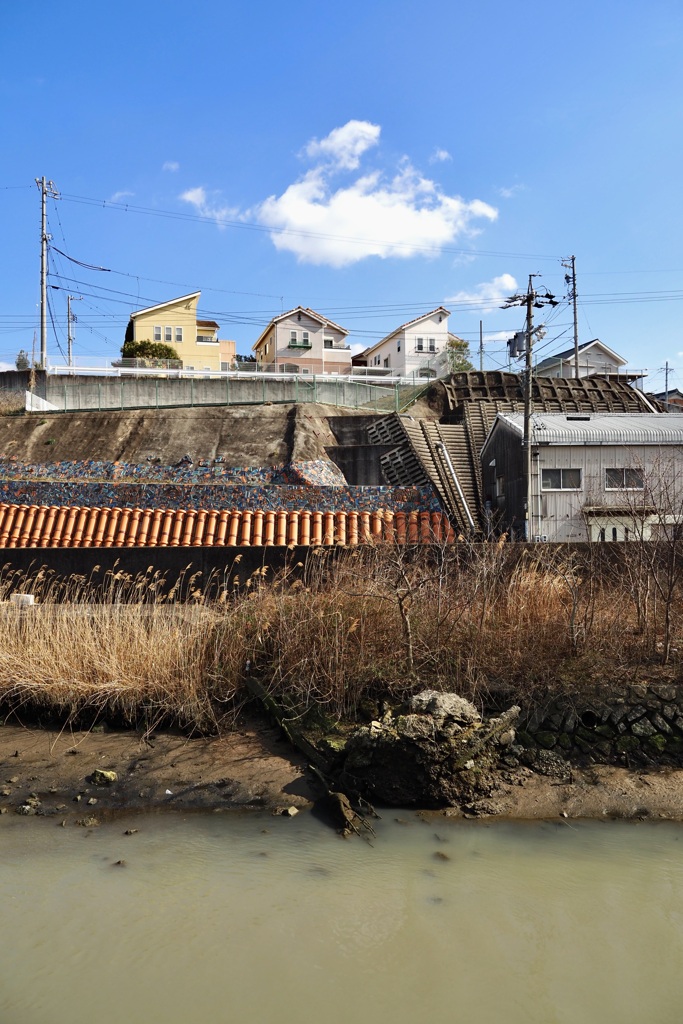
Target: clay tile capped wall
47	526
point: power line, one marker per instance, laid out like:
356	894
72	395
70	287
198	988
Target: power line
226	222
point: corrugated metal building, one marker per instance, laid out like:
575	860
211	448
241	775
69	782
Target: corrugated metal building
604	476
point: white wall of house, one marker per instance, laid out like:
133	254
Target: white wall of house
415	348
592	359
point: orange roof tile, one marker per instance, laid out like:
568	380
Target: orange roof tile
52	526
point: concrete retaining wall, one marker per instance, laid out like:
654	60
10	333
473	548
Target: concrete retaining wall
73	394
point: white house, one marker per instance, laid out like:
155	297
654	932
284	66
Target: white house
594	476
594	357
418	347
303	341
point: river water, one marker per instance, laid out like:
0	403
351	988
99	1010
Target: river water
238	918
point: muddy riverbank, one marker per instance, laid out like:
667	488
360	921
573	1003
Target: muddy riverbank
48	773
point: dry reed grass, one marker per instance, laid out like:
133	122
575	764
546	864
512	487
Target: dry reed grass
336	637
11	402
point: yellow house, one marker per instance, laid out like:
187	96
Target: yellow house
196	341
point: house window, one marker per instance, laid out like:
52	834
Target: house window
398	345
614	533
432	344
304	339
157	333
386	363
420	344
179	334
328	342
189	367
624	480
561	479
293	337
500	486
168	334
224	367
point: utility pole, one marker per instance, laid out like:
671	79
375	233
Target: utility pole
531	300
666	385
481	345
570	279
47	188
70	319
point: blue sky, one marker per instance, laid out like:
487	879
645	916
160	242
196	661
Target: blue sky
370	160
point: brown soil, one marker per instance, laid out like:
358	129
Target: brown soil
250	768
245	436
601	791
254	768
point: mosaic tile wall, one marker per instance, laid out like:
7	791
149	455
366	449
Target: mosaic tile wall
318	486
320	472
269	497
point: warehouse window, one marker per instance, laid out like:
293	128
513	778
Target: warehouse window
624	480
561	479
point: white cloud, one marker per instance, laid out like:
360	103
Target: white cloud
7	366
171	165
398	215
376	215
439	156
508	193
205	207
118	196
344	146
489	294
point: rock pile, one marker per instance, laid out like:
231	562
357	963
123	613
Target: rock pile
433	752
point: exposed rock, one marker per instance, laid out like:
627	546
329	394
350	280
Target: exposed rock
664	691
643	727
441	706
437	754
551	764
101	777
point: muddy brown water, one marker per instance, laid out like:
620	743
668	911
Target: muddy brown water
230	918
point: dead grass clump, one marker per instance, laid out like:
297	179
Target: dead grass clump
11	402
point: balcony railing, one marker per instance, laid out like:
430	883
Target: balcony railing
337	346
295	343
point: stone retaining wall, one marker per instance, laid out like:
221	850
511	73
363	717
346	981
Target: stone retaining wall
642	724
